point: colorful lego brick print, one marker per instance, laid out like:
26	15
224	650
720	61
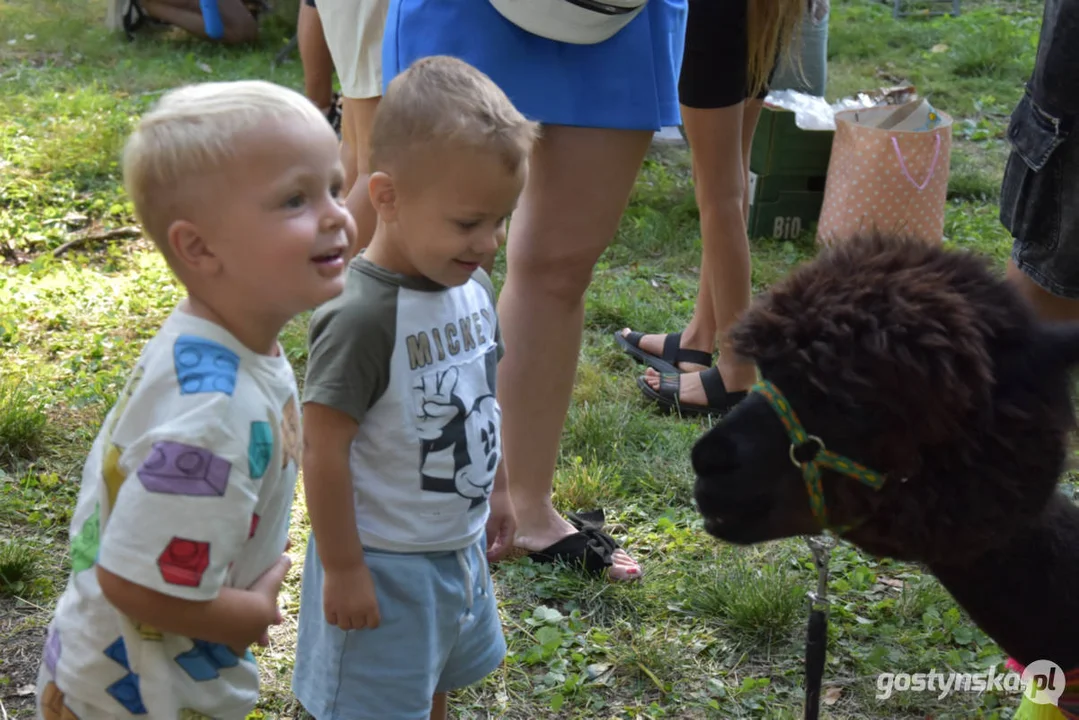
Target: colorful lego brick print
52	704
259	449
52	650
110	464
177	469
254	525
204	366
205	660
183	562
85	544
291	438
125	396
126	692
117	652
149	633
110	470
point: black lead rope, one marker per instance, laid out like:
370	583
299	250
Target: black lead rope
817	632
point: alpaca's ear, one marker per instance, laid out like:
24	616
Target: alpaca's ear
1062	340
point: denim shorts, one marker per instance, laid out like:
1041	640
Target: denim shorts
1039	199
439	630
812	77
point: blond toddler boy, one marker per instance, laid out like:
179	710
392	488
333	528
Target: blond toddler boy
181	525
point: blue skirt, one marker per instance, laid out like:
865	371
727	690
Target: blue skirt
628	82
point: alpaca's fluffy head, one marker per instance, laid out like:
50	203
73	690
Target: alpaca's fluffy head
916	361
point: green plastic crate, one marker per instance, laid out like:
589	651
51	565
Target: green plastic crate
780	147
784	206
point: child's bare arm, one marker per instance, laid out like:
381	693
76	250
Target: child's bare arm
348	593
236	618
327	482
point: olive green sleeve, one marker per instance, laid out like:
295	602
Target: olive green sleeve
350	344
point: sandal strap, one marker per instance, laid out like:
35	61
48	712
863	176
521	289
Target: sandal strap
590	546
716	392
133	19
670	386
674	353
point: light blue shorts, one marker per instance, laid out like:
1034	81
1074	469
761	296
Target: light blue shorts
439	631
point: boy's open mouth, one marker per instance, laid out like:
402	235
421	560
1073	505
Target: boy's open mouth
328	258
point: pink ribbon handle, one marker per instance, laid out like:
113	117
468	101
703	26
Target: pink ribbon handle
932	166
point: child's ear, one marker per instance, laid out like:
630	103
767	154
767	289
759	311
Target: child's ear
383	196
189	248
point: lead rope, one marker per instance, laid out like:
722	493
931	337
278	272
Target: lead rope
817	632
820	458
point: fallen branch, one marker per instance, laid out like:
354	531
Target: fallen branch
124	232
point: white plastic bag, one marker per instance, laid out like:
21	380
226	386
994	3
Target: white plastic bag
812	112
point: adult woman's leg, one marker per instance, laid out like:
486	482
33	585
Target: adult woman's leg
703	331
719	139
579	183
315	58
353	32
357	116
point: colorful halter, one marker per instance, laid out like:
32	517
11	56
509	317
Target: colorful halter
822	457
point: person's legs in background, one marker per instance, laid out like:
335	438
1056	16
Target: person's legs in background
317	61
239	24
719	122
719	141
353	32
579	183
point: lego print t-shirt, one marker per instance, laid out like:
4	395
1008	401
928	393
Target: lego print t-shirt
187	489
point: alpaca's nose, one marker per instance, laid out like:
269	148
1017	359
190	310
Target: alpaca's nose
714	454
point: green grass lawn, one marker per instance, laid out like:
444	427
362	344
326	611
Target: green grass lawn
714	630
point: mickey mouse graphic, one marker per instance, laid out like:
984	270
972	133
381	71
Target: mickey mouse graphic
458	421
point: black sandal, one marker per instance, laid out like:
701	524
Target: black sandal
673	353
590	547
720	401
333	113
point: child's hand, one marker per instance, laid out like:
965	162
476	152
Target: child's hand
348	598
269	586
501	524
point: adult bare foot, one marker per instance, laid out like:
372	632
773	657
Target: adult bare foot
547	529
671	352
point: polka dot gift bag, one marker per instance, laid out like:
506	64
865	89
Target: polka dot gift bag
888	172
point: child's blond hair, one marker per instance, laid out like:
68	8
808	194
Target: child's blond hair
441	101
193	131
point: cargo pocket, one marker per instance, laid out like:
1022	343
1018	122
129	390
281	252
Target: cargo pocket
1033	133
1030	192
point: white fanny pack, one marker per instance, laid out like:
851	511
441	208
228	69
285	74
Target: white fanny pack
581	22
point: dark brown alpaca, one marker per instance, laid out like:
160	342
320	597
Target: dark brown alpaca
924	366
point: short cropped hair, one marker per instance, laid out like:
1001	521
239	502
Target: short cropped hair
195	130
441	101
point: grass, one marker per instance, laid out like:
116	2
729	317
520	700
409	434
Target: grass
22	421
714	631
18	566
